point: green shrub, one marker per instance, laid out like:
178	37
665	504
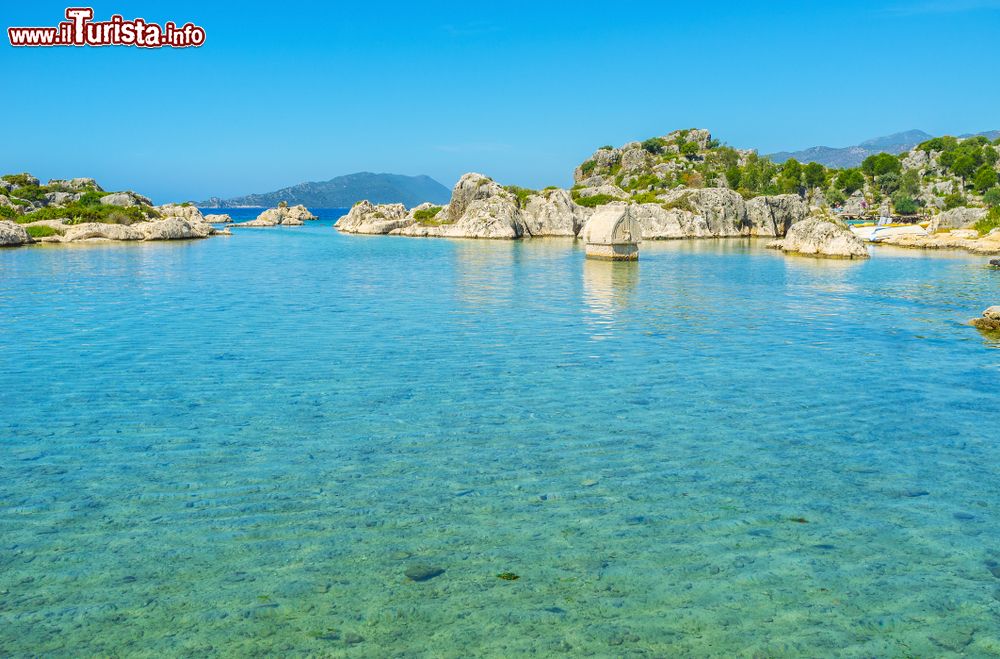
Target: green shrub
550	187
644	181
682	202
904	204
30	192
954	200
77	213
40	231
425	214
645	198
91	198
992	198
6	212
607	147
990	222
835	197
655	145
522	194
587	167
986	178
689	149
882	163
19	180
596	200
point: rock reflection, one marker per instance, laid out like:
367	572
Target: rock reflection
608	288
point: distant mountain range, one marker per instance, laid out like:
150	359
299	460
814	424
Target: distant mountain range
852	156
344	191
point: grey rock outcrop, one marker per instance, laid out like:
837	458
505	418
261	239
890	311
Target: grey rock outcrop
659	223
496	217
775	215
553	213
61	198
282	215
12	235
609	190
822	235
218	218
173	228
77	184
188	212
125	199
101	231
956	218
368	218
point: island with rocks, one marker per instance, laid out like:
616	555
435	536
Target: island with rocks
80	210
688	185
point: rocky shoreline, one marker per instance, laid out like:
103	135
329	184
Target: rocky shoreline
79	210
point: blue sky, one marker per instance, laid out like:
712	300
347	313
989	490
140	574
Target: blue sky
284	92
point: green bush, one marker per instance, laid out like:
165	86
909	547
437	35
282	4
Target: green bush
522	194
40	231
655	145
954	200
77	213
815	175
587	167
18	180
30	192
92	198
6	212
904	204
986	178
596	200
645	198
689	149
835	197
426	214
990	222
992	198
850	181
882	163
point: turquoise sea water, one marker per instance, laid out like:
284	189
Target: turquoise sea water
239	446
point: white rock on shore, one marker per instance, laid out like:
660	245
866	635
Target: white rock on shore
822	235
13	235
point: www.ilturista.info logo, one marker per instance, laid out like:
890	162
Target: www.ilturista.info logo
79	30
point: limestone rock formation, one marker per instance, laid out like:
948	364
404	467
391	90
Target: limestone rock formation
173	228
101	231
956	218
553	213
12	235
218	218
188	212
282	215
368	218
822	235
125	199
775	215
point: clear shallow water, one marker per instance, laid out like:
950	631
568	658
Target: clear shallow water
239	445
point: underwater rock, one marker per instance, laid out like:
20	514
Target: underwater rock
995	263
989	321
353	639
423	572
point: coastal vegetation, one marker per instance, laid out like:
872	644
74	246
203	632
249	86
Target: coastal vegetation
939	174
